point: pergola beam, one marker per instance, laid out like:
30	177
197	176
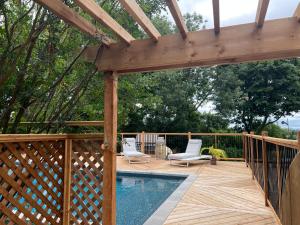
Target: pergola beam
178	18
216	10
71	17
92	8
140	17
297	12
278	39
261	12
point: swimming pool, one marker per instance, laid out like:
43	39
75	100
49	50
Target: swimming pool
139	195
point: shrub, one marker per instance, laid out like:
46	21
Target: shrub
218	153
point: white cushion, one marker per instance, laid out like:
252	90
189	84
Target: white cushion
179	156
129	145
194	147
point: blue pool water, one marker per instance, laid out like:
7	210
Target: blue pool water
139	195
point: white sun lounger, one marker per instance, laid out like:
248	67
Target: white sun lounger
191	154
131	154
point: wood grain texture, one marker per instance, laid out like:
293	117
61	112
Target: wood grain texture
216	10
73	18
110	143
140	17
278	39
261	12
178	18
221	194
92	8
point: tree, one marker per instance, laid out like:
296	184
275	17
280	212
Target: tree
254	95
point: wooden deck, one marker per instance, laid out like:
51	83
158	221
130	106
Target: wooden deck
222	194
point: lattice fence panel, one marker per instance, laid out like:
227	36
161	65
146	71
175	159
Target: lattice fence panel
87	182
31	182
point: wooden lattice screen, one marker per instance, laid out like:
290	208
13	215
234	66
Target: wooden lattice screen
32	182
87	177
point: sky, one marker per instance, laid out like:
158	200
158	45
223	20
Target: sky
234	12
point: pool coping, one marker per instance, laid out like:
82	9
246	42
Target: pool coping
161	214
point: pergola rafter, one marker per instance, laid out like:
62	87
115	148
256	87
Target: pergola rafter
73	18
178	18
92	8
261	12
297	12
216	10
140	17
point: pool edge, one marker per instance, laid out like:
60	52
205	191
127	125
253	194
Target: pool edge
161	214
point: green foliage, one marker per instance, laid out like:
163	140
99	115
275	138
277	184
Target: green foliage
218	153
279	132
254	95
234	152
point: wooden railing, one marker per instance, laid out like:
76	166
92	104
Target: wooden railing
275	165
230	142
52	179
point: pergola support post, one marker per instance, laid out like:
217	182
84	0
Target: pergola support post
110	147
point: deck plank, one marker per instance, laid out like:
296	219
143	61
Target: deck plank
222	194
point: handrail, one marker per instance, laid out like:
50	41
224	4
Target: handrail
276	141
48	137
180	134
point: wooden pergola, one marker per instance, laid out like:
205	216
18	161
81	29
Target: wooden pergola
261	40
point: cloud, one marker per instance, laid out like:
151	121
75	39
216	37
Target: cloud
237	11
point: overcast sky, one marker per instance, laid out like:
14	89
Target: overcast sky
234	12
238	11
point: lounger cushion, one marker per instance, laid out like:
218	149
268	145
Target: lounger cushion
129	145
179	156
134	154
196	158
193	147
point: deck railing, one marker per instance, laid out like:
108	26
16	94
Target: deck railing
52	179
232	143
275	165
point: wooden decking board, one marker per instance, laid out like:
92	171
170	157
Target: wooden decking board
221	195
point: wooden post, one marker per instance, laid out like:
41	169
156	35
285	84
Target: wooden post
110	146
143	142
265	167
189	135
252	154
67	182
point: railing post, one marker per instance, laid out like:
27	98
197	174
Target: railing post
110	145
246	150
252	154
67	182
216	141
143	142
244	145
189	135
265	167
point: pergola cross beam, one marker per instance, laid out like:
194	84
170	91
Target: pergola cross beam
241	43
